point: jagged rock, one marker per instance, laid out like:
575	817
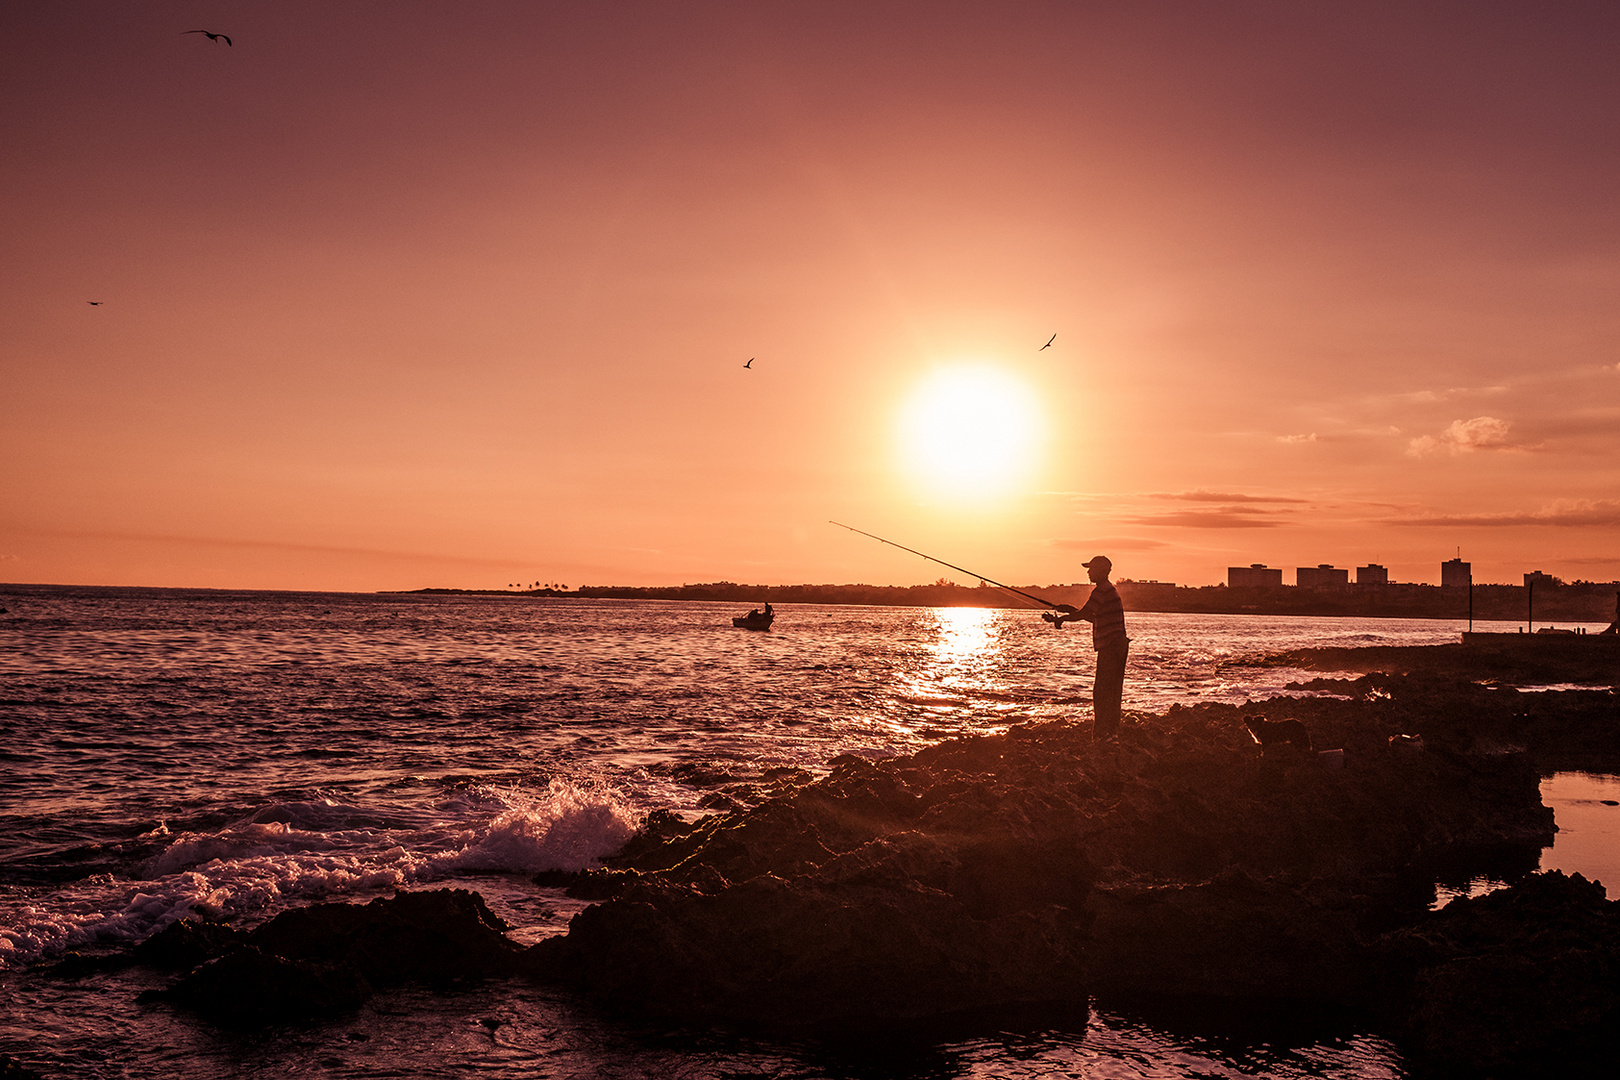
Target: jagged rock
1523	981
249	987
1231	937
779	953
436	936
1035	865
318	960
183	945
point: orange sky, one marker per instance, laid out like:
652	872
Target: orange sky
423	294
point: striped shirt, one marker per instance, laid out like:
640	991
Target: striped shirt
1107	617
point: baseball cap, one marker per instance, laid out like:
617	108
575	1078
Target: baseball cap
1099	560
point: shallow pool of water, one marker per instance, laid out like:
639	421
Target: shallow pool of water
1587	809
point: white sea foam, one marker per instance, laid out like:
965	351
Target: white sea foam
256	867
565	827
102	911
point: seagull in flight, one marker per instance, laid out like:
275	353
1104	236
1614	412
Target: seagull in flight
211	35
1048	344
750	363
93	303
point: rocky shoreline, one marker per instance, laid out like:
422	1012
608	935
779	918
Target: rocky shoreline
1183	863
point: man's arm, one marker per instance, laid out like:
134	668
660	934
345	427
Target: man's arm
1064	613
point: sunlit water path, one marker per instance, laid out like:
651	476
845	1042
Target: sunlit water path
170	752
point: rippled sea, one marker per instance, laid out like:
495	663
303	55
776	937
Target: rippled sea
169	753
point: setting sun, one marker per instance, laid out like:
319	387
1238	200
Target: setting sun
970	431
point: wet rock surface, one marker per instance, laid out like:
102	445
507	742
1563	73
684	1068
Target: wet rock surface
1033	866
1520	982
1530	660
329	958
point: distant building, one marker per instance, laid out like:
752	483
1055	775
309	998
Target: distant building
1321	576
1536	577
1454	573
1253	576
1372	574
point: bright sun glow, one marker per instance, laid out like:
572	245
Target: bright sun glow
970	431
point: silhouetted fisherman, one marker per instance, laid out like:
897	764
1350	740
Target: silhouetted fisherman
211	35
1106	614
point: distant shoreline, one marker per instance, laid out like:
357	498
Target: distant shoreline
1583	602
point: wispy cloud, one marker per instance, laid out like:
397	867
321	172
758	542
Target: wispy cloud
1564	514
1111	543
1600	561
1297	438
276	545
1229	517
1222	497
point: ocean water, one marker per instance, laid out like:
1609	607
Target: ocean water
174	753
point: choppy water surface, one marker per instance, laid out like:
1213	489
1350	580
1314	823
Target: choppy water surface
172	752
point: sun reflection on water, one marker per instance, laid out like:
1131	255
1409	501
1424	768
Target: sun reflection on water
955	673
966	635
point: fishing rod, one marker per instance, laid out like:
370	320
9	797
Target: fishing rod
1045	615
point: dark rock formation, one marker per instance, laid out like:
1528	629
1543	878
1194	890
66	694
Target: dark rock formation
1527	661
183	945
327	958
798	953
1033	866
1522	982
248	986
433	937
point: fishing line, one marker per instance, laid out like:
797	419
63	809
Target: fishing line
942	562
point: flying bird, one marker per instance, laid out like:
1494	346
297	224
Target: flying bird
93	303
750	362
1048	344
211	35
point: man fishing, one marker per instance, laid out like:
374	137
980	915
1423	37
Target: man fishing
1106	614
1103	610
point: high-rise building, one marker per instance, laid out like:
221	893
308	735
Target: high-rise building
1253	576
1372	574
1322	576
1454	573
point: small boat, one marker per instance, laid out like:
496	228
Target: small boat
755	620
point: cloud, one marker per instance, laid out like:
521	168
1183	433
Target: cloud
1297	438
1111	543
278	545
1568	513
1613	560
1229	517
1465	436
1222	497
1235	510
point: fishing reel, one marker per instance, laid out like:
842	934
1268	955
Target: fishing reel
1056	618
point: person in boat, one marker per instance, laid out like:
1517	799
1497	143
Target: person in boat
769	614
1106	613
